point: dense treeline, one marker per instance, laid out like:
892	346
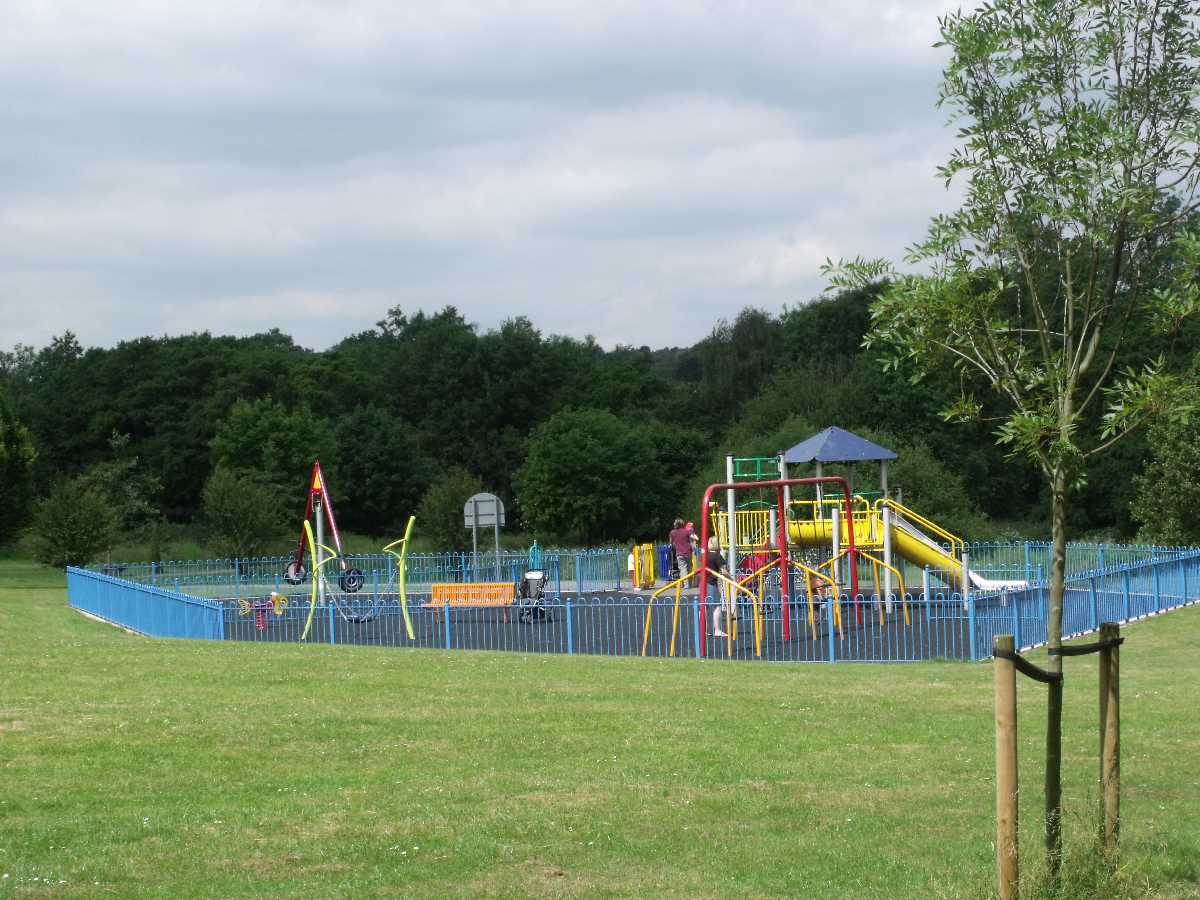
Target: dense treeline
584	444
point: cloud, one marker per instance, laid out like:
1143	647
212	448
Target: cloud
628	170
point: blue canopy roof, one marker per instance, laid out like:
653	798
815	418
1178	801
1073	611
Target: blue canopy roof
836	445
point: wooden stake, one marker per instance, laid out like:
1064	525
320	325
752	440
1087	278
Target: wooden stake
1005	679
1110	742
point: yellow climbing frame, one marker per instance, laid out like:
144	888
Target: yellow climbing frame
809	575
730	636
317	573
876	565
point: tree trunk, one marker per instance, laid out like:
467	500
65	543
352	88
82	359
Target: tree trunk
1058	569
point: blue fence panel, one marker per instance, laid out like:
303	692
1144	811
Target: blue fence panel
143	608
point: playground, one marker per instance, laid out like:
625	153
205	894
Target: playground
822	571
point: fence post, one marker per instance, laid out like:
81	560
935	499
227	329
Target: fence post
698	624
332	624
1157	590
1125	610
829	601
1016	617
570	632
971	627
1004	679
446	616
1028	565
1110	741
928	596
1094	604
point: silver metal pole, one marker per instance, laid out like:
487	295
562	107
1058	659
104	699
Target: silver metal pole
496	526
887	558
883	477
474	538
320	549
787	491
820	494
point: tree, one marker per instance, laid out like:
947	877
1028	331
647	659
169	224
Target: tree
440	513
1168	489
385	476
128	488
587	477
17	457
241	513
1078	148
277	443
73	525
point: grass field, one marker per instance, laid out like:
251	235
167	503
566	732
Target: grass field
137	767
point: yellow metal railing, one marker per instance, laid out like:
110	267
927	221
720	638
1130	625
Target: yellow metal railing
731	634
876	565
957	544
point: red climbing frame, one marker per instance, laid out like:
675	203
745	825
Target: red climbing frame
781	541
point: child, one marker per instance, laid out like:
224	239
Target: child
716	562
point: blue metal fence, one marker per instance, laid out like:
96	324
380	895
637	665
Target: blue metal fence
143	608
576	617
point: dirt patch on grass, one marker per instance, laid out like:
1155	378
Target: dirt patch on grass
15	725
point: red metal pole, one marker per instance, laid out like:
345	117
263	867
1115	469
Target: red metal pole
783	565
704	572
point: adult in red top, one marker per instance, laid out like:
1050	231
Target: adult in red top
681	540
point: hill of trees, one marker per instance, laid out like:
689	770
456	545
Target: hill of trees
584	444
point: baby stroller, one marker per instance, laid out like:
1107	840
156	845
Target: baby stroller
529	597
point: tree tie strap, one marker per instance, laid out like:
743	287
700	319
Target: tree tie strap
1084	649
1025	667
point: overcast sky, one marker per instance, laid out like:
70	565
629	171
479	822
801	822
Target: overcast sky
634	171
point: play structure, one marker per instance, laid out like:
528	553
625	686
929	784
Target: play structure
786	536
320	508
345	595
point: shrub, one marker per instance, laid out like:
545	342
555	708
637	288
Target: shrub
73	525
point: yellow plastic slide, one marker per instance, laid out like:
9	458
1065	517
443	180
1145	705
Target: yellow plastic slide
908	542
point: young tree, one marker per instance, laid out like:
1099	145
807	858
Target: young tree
1078	149
241	513
440	512
73	525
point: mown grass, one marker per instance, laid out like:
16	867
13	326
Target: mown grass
137	767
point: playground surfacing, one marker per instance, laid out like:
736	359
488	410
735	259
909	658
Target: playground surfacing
613	624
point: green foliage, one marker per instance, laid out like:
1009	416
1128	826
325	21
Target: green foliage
1167	503
588	476
381	481
74	524
125	484
277	443
928	486
241	513
17	457
440	512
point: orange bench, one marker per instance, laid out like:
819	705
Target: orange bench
480	593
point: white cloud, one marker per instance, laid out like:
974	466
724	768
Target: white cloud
628	170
